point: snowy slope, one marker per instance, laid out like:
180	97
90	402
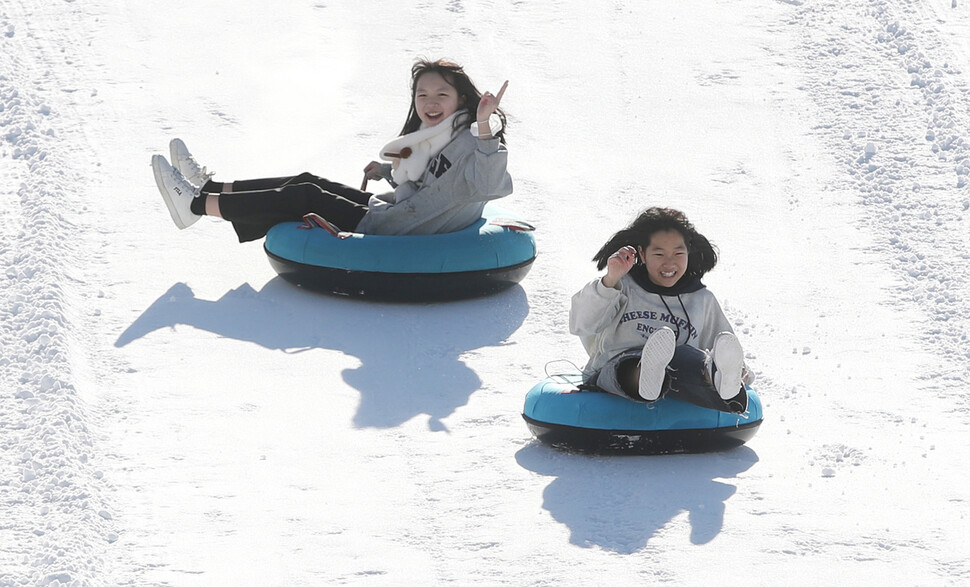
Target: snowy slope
172	413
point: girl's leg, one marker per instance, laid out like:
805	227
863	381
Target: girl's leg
690	381
728	362
627	375
639	374
252	185
654	358
618	376
245	185
253	213
344	191
211	203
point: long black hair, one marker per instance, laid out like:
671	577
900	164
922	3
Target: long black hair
455	75
702	255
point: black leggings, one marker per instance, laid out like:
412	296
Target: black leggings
256	205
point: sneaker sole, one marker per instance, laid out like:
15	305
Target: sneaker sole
175	147
172	210
729	359
656	355
173	154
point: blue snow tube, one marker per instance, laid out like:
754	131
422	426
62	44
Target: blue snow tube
494	253
561	415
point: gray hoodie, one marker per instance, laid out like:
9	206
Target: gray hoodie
450	194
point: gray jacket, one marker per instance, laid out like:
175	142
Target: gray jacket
449	196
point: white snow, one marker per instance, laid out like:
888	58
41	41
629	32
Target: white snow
172	413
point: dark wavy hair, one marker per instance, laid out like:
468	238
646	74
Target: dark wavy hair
455	75
701	254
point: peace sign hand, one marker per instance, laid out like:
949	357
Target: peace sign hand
489	103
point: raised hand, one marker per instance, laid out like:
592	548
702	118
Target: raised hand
489	103
618	265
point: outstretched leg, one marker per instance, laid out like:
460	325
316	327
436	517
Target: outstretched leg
690	381
254	185
253	213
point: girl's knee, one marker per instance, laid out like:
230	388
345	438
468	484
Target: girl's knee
306	176
628	377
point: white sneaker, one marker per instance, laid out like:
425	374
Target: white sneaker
176	191
727	359
656	355
186	163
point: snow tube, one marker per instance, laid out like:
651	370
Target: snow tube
561	415
490	255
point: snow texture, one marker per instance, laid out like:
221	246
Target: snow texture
172	413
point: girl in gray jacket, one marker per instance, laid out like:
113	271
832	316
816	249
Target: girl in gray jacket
449	160
650	326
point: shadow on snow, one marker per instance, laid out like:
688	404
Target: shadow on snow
620	503
409	354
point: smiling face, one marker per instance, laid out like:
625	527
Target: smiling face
665	257
435	99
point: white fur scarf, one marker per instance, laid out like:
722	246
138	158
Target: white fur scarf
411	153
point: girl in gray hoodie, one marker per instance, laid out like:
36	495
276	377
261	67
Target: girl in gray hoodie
448	162
650	326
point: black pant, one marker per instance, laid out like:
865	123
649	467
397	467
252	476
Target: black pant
256	205
686	379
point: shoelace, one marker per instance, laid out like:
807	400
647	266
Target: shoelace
202	172
205	174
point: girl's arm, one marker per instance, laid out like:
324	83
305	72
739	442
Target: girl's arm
597	304
487	105
378	170
594	308
486	173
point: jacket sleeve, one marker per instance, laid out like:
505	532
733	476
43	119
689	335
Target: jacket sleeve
594	308
486	172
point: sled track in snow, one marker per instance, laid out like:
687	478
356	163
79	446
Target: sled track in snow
900	132
45	438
